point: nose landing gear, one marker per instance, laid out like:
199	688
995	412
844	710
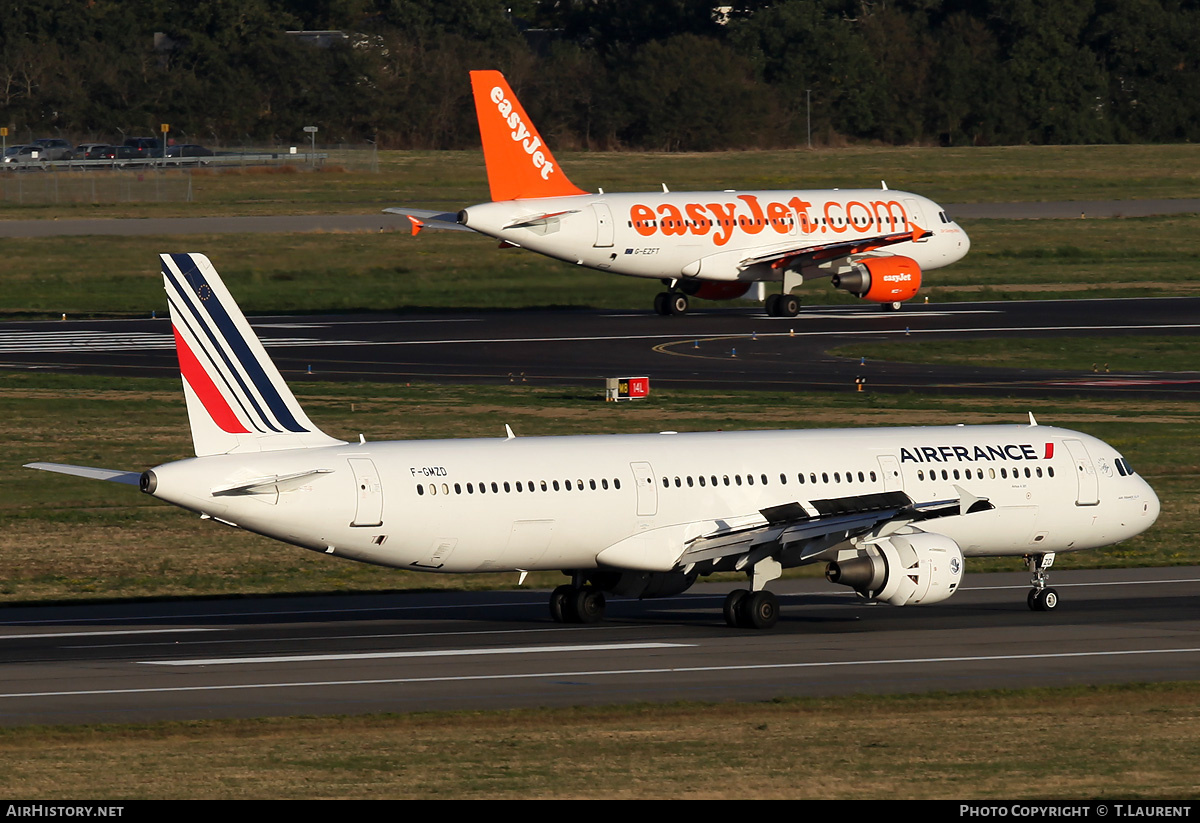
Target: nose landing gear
1042	598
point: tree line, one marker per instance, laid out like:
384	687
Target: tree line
672	75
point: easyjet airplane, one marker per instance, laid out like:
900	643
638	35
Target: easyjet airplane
873	243
890	512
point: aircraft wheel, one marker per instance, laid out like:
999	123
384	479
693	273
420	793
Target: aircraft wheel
560	604
788	305
892	306
772	304
733	607
760	609
677	303
1045	600
588	604
660	303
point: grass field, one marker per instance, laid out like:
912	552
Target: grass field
1009	260
455	179
1104	355
1127	742
1012	259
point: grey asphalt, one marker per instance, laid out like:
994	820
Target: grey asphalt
492	650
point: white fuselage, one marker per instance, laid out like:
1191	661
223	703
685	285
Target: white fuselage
559	502
710	235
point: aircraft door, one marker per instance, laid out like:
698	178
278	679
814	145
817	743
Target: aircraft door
913	208
889	467
647	493
368	490
1088	493
604	225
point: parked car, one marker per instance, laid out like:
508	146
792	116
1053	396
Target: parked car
145	146
23	154
188	150
54	148
89	151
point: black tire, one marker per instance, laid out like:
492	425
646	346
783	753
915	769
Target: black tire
588	605
660	303
732	608
1032	600
788	305
1045	600
560	604
678	303
760	610
771	304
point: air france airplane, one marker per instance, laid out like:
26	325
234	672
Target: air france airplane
716	245
891	512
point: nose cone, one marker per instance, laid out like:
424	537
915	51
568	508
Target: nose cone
1152	506
965	242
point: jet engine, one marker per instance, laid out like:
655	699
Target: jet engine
904	569
882	279
714	289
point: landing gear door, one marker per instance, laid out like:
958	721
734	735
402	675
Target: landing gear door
1085	473
604	225
368	507
647	493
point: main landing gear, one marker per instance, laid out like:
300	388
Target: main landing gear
671	302
577	604
782	305
745	609
1041	598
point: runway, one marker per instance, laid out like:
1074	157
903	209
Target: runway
418	652
722	348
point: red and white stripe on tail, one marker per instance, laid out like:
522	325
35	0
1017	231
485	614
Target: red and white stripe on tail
236	399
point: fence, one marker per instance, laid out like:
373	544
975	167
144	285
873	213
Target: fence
157	179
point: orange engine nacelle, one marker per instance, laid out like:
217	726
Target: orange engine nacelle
882	279
715	289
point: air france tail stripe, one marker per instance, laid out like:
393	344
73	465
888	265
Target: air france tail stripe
214	402
228	332
239	393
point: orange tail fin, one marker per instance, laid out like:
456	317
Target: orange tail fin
518	163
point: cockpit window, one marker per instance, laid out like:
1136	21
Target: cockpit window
944	217
1124	468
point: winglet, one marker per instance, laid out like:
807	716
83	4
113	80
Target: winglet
519	164
417	225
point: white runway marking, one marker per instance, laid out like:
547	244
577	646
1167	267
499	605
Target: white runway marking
27	342
1006	658
309	658
113	633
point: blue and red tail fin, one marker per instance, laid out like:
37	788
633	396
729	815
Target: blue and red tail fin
519	164
236	398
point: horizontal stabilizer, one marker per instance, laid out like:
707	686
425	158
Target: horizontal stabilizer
422	219
271	484
111	475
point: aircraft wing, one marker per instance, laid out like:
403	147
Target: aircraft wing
796	533
422	219
785	258
111	475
